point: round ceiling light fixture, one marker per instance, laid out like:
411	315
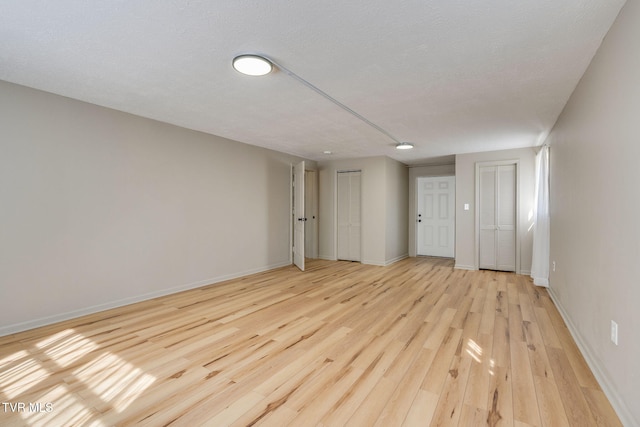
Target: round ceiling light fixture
404	146
252	65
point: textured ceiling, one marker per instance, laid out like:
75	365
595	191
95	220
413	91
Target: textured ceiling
449	76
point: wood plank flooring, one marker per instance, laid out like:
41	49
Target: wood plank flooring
416	343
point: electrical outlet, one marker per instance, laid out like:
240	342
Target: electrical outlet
614	332
554	266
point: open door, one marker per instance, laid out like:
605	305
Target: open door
298	215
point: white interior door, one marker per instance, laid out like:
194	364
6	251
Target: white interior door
311	213
497	217
349	226
436	216
298	215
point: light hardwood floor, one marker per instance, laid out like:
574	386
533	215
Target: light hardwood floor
416	343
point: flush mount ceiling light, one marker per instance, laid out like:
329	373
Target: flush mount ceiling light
404	146
252	65
257	65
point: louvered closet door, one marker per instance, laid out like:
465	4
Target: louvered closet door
349	227
497	232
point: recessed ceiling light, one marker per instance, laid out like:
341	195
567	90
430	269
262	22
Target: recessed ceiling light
404	146
328	152
252	65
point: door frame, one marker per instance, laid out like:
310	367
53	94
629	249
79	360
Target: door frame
516	163
292	220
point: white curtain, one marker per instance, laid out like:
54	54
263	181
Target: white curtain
541	227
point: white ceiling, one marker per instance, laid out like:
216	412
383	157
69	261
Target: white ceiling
451	76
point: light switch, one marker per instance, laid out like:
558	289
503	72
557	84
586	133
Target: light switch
466	206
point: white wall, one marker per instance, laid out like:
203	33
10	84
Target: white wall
414	174
374	195
595	213
465	193
100	208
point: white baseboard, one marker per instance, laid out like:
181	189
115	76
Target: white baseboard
49	320
370	262
396	259
605	383
472	268
539	281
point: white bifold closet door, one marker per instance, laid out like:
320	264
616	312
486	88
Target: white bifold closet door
349	227
497	199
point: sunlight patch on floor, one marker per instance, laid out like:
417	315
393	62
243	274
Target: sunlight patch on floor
66	347
67	410
114	380
99	379
474	350
20	374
